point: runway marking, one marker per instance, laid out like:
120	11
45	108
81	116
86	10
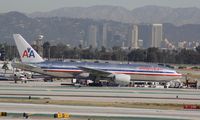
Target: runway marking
108	91
98	96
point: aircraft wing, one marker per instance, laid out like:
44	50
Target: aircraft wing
96	72
23	66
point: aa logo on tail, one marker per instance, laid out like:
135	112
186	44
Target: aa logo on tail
28	53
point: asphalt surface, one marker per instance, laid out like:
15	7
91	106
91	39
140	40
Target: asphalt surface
99	111
102	94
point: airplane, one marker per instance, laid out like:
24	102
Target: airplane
121	74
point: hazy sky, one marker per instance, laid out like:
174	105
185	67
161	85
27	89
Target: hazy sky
28	6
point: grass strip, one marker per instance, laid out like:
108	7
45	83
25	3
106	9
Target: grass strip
165	106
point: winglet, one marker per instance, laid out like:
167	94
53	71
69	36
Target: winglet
26	52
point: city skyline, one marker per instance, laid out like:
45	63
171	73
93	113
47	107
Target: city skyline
103	33
29	6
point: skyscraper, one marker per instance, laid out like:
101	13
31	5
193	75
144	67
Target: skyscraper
145	34
156	35
134	37
104	36
92	36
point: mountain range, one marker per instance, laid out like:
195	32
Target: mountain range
146	14
71	26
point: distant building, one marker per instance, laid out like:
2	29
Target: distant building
2	54
157	35
92	36
167	44
104	36
116	41
145	34
140	43
188	45
110	35
134	37
182	44
197	44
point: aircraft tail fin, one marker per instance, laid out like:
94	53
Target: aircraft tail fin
26	52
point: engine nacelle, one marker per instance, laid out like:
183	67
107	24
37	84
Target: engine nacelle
122	79
84	75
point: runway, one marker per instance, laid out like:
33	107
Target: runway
99	111
125	96
112	94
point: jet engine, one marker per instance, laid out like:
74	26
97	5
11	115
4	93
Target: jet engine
84	75
122	79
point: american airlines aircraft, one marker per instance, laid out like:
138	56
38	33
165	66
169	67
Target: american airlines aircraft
120	74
